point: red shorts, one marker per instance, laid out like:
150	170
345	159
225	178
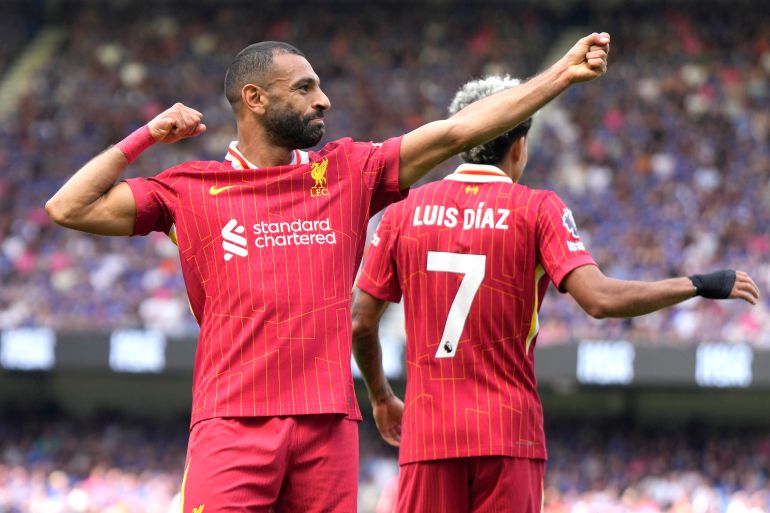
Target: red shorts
303	463
484	484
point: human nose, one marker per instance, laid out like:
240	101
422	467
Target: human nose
322	101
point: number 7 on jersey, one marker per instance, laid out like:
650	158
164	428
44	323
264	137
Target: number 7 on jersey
473	268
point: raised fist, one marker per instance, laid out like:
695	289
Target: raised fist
587	60
176	123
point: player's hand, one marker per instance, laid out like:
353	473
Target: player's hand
745	288
587	60
177	123
387	416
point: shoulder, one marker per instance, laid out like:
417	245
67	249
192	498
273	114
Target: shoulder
539	196
206	165
428	188
192	168
549	198
348	145
551	206
534	203
344	144
197	166
421	194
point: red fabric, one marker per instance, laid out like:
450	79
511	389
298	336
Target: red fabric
486	484
482	401
269	258
303	463
138	141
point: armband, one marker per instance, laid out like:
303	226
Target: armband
716	285
133	145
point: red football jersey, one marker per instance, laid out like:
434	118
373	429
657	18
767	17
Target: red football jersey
473	255
269	257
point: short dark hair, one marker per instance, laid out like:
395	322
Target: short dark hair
251	65
492	152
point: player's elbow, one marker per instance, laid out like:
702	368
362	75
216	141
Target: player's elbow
365	316
598	306
596	294
597	311
366	323
364	327
58	213
64	214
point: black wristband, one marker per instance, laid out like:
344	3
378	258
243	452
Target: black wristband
716	285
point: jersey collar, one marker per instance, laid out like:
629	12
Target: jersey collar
239	162
478	173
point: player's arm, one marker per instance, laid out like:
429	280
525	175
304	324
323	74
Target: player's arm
92	202
425	147
386	407
601	296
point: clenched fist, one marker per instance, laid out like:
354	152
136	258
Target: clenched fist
176	123
587	60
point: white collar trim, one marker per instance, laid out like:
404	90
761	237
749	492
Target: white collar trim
478	173
239	162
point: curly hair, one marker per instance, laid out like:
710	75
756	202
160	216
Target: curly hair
491	152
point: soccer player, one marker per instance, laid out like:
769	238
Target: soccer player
270	241
473	255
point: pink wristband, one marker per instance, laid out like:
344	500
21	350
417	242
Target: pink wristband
133	145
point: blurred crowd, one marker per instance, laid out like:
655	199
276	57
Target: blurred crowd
665	161
666	164
18	23
107	465
615	469
119	465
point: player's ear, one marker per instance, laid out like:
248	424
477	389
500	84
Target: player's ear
518	149
253	98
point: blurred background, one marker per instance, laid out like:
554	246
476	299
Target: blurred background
665	163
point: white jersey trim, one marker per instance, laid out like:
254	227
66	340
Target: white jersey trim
239	162
478	173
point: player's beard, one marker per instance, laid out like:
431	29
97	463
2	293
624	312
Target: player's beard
290	129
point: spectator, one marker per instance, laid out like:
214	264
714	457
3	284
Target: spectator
673	141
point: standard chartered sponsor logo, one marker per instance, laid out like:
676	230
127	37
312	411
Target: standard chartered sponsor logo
234	242
300	232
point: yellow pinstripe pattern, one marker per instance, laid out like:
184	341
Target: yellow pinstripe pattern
534	325
184	483
295	341
431	438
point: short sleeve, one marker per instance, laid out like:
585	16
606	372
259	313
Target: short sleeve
379	276
155	200
380	163
559	246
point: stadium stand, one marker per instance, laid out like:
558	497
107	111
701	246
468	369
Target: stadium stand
663	161
112	464
19	21
665	165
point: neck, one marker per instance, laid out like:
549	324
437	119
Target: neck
254	144
509	167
